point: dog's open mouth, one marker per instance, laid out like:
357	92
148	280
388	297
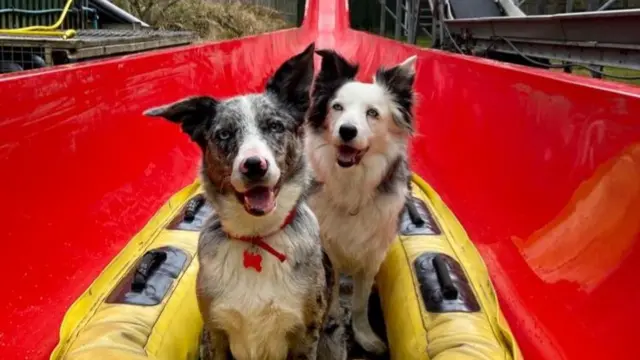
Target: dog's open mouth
348	156
259	200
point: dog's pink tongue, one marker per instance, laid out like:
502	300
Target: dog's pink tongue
259	200
347	154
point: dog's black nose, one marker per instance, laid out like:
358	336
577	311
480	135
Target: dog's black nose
348	132
254	167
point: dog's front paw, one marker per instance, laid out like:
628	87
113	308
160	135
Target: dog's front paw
331	325
333	341
369	341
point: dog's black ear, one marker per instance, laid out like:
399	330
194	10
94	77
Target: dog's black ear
335	67
335	71
292	81
398	80
194	114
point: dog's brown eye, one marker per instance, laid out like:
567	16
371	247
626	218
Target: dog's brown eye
337	107
276	127
372	113
223	135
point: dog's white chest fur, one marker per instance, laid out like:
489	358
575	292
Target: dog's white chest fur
357	223
245	300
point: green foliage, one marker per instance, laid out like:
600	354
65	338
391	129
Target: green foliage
210	20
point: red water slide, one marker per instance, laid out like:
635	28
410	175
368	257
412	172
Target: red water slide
543	170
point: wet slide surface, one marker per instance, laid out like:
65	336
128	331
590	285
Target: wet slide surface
542	169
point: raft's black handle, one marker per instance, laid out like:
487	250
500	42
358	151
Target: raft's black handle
449	291
414	214
192	208
150	262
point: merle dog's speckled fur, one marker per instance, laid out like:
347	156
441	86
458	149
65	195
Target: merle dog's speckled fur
279	312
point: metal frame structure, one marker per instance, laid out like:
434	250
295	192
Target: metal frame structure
417	16
609	38
595	39
406	17
24	47
89	44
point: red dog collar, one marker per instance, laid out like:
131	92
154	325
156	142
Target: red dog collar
254	260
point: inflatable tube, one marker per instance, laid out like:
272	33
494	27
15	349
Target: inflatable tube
143	305
436	296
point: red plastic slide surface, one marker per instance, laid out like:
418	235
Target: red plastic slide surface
542	169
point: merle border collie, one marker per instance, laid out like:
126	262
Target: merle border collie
263	285
356	143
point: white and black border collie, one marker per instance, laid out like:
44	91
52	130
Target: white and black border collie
356	144
262	283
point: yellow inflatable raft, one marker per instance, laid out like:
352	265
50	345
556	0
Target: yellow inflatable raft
435	293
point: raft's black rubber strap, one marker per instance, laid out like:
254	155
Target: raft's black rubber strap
193	215
150	262
443	284
416	219
150	280
192	208
414	214
447	288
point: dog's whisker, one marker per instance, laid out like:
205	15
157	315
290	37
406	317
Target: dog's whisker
320	147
